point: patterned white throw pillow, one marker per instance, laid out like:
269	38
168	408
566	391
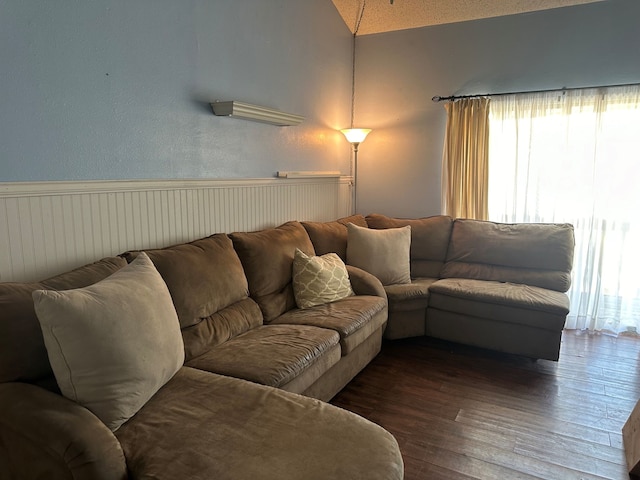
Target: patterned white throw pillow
320	279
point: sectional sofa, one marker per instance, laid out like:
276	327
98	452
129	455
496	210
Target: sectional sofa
217	354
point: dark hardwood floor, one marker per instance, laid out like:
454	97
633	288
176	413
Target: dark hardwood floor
464	413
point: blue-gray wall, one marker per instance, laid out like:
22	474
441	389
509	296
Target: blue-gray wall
120	89
116	89
400	162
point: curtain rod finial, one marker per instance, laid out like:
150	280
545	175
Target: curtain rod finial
437	98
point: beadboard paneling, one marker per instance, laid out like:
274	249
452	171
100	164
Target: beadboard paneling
50	227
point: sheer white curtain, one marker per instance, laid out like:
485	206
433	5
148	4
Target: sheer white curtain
574	157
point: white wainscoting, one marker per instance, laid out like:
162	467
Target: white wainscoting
47	228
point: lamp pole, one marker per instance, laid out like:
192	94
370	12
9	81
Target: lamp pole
355	176
355	136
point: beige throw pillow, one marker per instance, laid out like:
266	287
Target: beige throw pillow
113	344
319	279
383	253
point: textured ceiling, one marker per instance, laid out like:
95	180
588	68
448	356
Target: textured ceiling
381	16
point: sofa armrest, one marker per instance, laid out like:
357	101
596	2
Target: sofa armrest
45	435
363	283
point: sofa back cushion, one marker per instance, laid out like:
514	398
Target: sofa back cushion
535	254
429	240
331	237
203	276
267	258
23	356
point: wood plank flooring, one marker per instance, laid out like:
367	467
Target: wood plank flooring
465	413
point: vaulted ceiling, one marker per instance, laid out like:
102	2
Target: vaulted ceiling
388	15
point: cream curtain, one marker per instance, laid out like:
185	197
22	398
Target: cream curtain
574	157
465	157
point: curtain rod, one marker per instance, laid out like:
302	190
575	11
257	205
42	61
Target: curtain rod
451	98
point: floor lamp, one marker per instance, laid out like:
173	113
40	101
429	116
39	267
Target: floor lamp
355	136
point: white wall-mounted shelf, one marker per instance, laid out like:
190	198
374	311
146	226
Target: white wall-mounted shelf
310	174
255	113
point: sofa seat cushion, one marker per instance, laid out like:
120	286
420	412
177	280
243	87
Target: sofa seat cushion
505	302
228	428
354	318
409	296
272	355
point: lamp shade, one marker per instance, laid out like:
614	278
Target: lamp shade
356	135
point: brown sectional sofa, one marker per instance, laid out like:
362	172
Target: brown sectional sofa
232	411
